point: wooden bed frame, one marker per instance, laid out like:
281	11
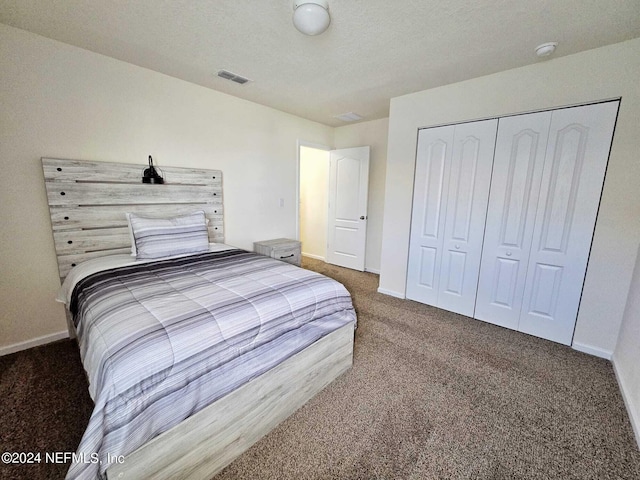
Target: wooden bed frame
88	202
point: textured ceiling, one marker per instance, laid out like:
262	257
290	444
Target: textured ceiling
373	50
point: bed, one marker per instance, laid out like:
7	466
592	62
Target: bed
180	389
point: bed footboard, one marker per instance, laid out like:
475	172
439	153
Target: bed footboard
211	439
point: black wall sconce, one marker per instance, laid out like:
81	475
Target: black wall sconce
151	175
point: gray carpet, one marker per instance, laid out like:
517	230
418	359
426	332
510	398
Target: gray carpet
44	407
431	395
435	395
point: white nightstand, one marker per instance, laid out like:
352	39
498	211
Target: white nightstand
283	249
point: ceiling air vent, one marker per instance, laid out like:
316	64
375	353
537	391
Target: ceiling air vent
349	117
233	77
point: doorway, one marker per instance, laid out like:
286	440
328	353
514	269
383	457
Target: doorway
332	203
313	199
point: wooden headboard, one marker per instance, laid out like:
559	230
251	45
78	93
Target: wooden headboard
88	202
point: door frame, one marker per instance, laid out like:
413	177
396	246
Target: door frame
317	146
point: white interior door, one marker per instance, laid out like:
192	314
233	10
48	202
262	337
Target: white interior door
513	200
431	185
466	211
347	216
575	162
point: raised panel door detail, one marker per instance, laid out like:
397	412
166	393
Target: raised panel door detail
465	215
427	266
515	187
566	172
504	286
347	209
575	163
433	166
433	188
518	191
464	173
456	273
348	184
346	240
546	284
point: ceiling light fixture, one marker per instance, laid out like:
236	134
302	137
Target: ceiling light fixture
311	17
546	49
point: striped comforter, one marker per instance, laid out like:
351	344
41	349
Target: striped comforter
163	340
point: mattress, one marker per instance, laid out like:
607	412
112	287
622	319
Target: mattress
162	340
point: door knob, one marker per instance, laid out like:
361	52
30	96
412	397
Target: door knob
362	217
508	254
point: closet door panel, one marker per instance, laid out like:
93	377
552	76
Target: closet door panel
471	164
575	163
433	161
515	187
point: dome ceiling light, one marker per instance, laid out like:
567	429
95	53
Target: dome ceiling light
311	17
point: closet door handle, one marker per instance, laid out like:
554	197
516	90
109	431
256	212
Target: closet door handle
508	254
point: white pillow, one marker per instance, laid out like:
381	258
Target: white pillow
164	237
134	251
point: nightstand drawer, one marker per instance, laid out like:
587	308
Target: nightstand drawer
283	249
291	255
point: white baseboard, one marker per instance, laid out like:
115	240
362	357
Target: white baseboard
595	351
632	410
319	257
391	293
34	342
311	255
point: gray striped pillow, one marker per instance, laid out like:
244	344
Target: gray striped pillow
164	237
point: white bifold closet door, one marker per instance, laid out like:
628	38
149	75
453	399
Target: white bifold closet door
515	187
453	174
547	180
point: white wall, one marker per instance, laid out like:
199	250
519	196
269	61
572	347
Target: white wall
603	73
372	133
314	201
60	101
626	358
